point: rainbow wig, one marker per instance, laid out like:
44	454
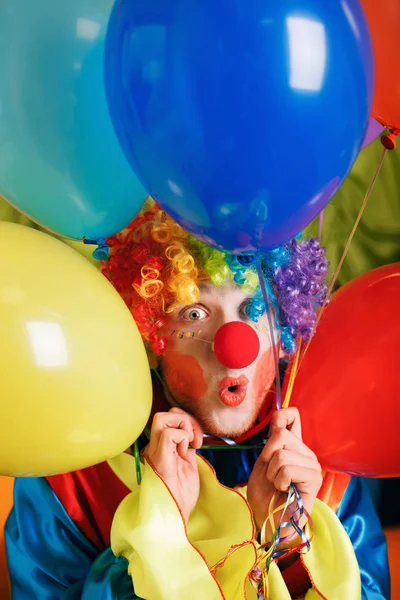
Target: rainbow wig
156	265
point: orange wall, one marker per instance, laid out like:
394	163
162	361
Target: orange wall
393	538
6	493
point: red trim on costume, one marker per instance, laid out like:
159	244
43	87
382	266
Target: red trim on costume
312	581
91	497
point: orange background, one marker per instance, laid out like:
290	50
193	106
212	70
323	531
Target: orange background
6	500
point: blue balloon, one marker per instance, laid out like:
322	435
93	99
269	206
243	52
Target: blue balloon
241	117
60	160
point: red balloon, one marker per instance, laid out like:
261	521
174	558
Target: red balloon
384	24
347	386
236	345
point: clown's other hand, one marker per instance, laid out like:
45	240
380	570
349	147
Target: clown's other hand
169	453
285	459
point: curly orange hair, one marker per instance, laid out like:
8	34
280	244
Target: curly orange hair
156	265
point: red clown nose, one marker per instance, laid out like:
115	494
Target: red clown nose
236	345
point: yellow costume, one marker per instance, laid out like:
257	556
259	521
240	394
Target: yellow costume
213	557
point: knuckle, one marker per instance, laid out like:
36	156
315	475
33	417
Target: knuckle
277	419
285	472
176	409
167	434
270	476
158	419
187	421
282	436
282	483
295	412
281	456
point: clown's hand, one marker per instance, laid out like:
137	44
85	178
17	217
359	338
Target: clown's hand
285	459
169	454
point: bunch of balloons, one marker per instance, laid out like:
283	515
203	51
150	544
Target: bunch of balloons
210	102
241	119
75	383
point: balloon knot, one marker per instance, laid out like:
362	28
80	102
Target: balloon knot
389	139
102	251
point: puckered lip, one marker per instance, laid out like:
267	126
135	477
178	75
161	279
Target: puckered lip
228	382
233	390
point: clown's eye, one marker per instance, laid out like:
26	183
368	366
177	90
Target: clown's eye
194	313
245	310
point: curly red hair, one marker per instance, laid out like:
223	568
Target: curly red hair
152	268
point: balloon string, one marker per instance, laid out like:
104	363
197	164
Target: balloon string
345	251
293	372
271	331
295	520
321	223
136	455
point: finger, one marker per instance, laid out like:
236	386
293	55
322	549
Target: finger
198	432
282	458
183	448
283	439
286	418
191	457
171	441
170	420
308	481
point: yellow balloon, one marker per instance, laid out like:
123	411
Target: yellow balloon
75	383
9	213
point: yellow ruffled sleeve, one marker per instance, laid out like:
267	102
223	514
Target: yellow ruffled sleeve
215	554
169	561
331	562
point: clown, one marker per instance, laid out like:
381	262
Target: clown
183	530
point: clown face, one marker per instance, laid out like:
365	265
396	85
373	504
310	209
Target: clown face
225	401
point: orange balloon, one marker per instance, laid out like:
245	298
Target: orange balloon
384	24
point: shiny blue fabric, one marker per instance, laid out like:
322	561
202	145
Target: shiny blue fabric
50	559
358	516
234	466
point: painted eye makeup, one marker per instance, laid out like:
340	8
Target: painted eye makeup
244	309
180	334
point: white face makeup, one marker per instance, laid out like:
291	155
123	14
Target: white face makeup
225	401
